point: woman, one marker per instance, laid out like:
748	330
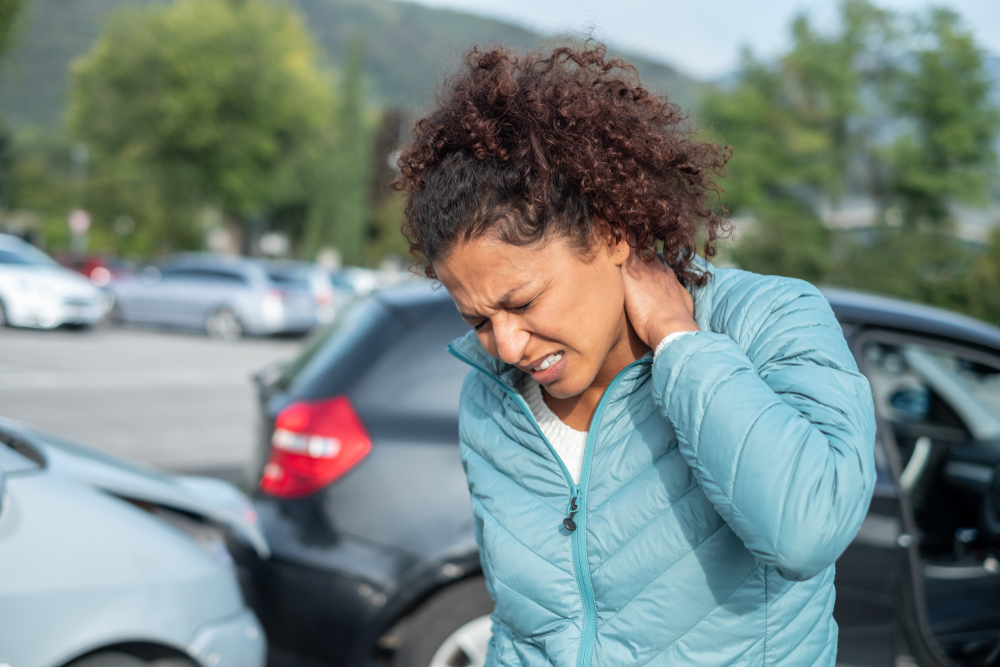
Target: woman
664	461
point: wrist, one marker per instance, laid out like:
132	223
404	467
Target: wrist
658	331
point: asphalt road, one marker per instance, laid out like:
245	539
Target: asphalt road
182	402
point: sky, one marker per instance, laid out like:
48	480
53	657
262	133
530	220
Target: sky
703	38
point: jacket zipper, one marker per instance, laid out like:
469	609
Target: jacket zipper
577	502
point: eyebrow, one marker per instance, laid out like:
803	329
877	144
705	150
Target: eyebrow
502	303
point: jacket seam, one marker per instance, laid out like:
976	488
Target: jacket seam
513	479
630	481
739	452
661	573
766	312
708	401
702	619
652	520
503	583
518	540
668	391
767	616
784	498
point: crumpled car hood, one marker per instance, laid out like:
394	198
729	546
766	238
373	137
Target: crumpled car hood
212	499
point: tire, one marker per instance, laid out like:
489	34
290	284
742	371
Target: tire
3	317
451	629
109	659
224	324
115	317
119	659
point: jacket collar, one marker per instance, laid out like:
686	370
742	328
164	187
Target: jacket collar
467	348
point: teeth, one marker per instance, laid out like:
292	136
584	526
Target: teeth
549	360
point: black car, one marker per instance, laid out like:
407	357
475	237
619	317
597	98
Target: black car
365	504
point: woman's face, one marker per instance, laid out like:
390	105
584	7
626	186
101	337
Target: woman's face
550	309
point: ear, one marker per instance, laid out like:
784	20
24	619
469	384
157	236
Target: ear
618	251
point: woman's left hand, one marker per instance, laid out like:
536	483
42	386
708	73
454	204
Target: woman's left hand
656	303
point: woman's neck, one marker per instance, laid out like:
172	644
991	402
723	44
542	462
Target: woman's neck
577	411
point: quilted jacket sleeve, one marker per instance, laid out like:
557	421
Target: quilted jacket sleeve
775	420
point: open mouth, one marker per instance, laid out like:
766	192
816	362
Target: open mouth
547	362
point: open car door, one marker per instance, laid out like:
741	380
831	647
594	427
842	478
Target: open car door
931	532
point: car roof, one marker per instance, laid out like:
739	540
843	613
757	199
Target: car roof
212	260
11	241
852	307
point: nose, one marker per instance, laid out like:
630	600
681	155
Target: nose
510	338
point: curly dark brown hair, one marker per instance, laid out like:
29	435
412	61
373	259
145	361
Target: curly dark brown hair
525	147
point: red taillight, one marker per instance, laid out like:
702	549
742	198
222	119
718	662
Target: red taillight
314	443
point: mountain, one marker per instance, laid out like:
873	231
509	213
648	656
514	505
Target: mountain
409	48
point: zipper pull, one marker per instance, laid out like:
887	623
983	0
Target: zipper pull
568	521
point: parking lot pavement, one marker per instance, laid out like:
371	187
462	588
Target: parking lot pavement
178	401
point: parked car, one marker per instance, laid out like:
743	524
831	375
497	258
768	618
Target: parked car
110	565
227	297
365	502
36	292
100	269
306	293
353	282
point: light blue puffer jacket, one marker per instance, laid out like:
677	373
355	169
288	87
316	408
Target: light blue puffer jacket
719	485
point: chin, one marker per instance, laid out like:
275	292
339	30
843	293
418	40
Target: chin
565	388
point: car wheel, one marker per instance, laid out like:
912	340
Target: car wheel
451	629
115	317
3	316
224	324
109	659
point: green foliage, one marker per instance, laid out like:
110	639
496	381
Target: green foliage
949	154
411	45
791	244
214	101
889	109
10	12
340	213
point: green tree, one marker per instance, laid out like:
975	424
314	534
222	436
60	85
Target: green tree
891	108
10	12
340	212
944	96
214	101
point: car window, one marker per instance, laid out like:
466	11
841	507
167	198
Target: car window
335	357
924	385
205	275
25	255
8	257
418	376
293	279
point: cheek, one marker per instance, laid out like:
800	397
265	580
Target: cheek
488	342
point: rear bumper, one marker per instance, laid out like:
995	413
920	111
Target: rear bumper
310	614
237	641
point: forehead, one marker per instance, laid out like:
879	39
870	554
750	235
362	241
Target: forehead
479	274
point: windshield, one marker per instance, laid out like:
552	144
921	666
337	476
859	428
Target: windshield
25	254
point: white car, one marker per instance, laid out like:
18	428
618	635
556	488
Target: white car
36	292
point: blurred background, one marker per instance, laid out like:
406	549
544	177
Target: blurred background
201	271
864	136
